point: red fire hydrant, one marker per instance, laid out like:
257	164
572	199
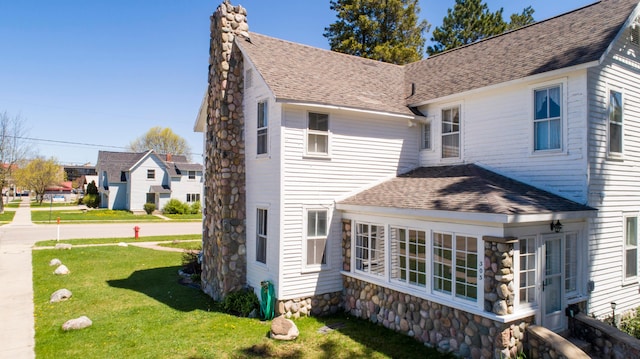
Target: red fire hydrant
136	229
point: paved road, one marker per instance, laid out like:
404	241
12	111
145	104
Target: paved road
16	286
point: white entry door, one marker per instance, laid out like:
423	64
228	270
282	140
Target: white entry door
552	307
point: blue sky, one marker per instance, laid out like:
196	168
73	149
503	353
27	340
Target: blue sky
90	75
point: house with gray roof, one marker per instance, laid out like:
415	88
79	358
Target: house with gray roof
459	199
128	180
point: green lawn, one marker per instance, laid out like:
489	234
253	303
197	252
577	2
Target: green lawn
7	217
94	215
46	204
171	238
13	204
190	245
139	310
190	217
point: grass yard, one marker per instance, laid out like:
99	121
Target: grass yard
13	204
94	215
45	204
190	245
7	217
139	310
185	217
181	237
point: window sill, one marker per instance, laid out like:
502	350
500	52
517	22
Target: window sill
548	153
263	156
615	157
317	157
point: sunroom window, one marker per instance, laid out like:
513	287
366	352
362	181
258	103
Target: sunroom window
408	263
369	248
455	265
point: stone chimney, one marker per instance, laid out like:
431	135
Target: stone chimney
224	267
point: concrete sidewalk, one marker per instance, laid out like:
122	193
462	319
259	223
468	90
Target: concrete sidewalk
16	297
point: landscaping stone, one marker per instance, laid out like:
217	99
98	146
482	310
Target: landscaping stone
62	270
63	246
54	262
122	244
284	329
60	295
77	323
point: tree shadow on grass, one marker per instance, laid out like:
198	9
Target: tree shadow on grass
162	285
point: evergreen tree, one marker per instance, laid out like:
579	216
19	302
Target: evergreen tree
384	30
470	21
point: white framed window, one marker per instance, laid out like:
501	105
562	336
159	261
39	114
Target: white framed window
455	265
547	118
261	235
263	131
615	111
630	257
369	249
318	134
528	272
317	231
409	256
425	133
192	175
151	174
571	274
451	132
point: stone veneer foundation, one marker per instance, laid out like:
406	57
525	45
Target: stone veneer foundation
441	326
317	306
224	238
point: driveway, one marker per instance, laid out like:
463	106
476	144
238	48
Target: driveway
16	296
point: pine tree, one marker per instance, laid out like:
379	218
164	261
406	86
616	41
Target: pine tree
470	21
386	30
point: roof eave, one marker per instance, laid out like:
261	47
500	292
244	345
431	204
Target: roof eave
522	80
407	116
456	216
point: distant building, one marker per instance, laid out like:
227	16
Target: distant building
75	172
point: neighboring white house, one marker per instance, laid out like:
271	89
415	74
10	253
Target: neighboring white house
128	180
495	184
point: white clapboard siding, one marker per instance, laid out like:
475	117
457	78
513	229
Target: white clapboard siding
262	183
497	132
364	149
613	186
140	184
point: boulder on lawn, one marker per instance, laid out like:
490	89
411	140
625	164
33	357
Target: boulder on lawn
60	295
77	323
61	270
54	262
63	246
284	329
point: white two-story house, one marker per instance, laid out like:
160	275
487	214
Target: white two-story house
454	199
128	180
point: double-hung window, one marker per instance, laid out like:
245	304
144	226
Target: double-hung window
615	122
151	174
192	175
547	122
261	235
408	257
318	134
369	246
455	265
451	132
630	248
263	131
317	224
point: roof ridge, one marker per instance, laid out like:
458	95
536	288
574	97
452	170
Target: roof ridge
508	32
325	50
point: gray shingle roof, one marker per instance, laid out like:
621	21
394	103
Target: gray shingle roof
301	73
462	188
574	38
116	162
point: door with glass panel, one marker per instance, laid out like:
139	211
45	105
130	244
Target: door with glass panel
553	317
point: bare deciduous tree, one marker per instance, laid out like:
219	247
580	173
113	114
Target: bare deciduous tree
13	150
